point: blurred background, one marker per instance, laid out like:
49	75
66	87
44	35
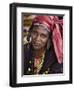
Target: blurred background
27	21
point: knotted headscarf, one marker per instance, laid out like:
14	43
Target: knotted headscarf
53	23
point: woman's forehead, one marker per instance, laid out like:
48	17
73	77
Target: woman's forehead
40	29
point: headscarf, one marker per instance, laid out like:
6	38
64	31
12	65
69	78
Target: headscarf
53	23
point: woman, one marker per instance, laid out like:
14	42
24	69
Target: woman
44	52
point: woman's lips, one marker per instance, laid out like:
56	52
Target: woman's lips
36	44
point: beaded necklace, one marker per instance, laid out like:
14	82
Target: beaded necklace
38	63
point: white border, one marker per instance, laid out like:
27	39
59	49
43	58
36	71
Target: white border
50	77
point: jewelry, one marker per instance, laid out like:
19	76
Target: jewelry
39	63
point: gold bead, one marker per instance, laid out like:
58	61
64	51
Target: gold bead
46	72
30	62
29	69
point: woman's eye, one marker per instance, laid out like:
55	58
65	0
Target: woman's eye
34	33
43	36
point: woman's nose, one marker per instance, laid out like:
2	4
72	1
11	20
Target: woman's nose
38	38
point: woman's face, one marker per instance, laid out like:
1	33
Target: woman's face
39	37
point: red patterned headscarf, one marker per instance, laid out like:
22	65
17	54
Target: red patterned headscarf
53	23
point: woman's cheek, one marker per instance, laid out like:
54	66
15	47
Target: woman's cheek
44	40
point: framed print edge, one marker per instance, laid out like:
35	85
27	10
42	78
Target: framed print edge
71	34
13	45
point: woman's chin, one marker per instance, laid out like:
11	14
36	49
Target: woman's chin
36	47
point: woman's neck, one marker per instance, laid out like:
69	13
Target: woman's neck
38	53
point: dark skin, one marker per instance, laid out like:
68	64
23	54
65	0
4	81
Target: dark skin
40	38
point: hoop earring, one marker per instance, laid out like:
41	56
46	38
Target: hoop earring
28	37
